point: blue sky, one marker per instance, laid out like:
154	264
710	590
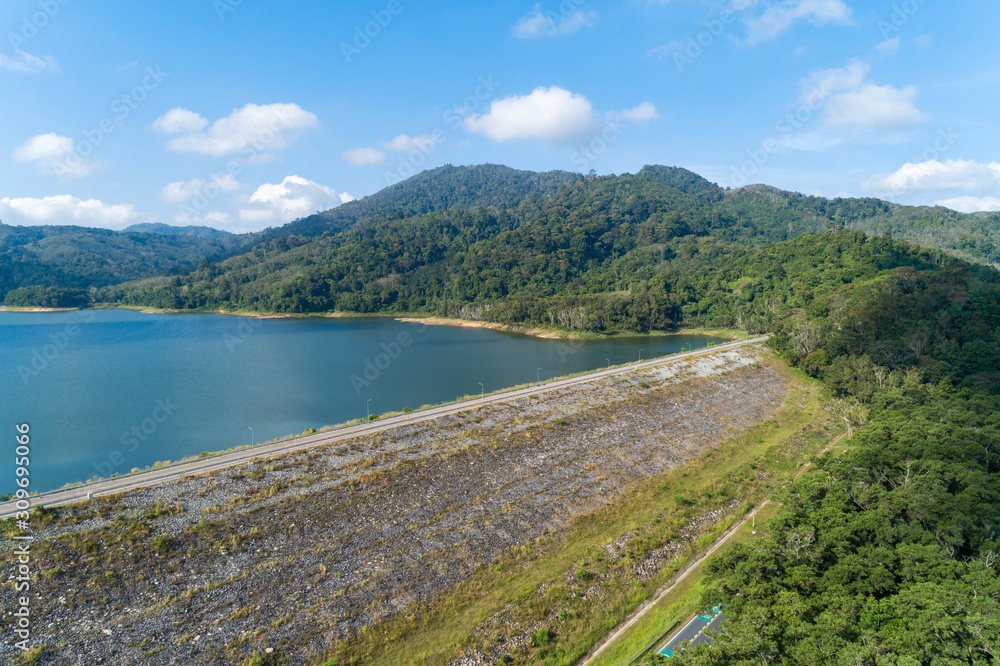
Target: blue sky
244	114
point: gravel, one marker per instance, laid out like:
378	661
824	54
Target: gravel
292	554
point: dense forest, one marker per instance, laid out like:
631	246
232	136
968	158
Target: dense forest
632	252
888	553
56	266
484	242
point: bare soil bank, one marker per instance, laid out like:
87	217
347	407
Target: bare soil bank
291	555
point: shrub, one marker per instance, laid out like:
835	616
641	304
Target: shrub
542	637
161	544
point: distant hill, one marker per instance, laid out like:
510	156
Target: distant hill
685	181
167	230
78	258
540	233
458	235
970	237
444	188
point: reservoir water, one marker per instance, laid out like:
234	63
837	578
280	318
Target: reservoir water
107	391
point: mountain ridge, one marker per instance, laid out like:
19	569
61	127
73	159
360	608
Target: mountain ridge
594	232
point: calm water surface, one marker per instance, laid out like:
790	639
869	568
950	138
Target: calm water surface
108	391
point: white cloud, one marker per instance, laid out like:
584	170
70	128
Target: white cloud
25	63
935	175
878	107
642	113
924	41
840	105
776	19
551	114
818	86
54	155
971	204
292	198
425	143
64	209
667	50
815	140
183	191
214	219
218	220
179	121
43	147
262	127
538	23
364	156
411	144
982	179
889	47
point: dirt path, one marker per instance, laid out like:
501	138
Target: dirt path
638	613
647	605
157	476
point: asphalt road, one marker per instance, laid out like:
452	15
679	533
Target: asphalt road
712	626
693	631
222	461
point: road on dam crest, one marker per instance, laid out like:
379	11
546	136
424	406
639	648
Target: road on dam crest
239	457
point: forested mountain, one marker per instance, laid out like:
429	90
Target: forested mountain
473	241
55	266
444	188
888	552
578	253
542	247
974	238
168	230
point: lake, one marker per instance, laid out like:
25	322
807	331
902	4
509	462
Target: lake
110	390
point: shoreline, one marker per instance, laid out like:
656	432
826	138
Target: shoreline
730	335
36	310
334	428
208	522
468	323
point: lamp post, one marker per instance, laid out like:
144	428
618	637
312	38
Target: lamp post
251	437
640	354
482	390
609	362
538	376
368	407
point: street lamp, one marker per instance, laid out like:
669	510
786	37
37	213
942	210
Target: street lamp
640	354
609	362
368	406
482	390
538	376
251	437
